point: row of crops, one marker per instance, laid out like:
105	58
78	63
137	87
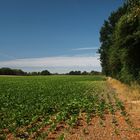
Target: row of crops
32	103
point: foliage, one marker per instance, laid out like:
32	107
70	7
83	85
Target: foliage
120	40
45	72
8	71
74	73
84	73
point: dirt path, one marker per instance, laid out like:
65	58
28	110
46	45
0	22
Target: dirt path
131	98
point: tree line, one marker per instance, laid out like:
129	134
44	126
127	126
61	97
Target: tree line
9	71
84	73
120	43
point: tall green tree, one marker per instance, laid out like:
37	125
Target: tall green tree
106	37
120	43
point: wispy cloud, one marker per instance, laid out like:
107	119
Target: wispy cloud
87	48
67	62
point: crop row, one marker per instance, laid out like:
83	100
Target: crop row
32	103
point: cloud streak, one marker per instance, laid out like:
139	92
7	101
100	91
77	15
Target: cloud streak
57	63
87	48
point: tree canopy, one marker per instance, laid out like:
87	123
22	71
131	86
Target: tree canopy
120	43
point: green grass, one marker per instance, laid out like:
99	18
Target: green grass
34	100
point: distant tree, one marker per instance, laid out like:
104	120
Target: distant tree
84	73
77	72
45	72
95	72
74	73
8	71
71	73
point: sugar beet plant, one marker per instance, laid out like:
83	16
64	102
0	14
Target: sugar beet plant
32	103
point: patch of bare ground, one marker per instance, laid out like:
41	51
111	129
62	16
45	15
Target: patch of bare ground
105	130
97	129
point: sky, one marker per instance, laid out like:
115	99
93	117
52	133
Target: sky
58	35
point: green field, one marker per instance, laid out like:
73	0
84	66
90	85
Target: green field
25	101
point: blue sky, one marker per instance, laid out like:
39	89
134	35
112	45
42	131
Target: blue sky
59	35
